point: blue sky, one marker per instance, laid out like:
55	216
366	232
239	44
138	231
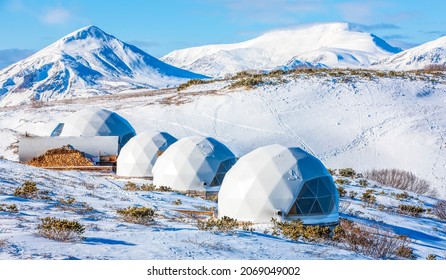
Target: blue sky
159	27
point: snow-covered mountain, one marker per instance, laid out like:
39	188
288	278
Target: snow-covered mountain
332	44
85	62
433	52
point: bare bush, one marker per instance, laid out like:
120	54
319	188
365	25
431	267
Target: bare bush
400	179
435	67
440	209
371	241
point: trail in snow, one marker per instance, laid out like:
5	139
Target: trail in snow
286	129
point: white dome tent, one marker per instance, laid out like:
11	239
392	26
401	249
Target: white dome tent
138	156
281	182
193	164
95	122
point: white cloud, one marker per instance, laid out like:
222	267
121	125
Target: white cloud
56	16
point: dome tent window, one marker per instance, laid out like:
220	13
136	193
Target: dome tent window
222	169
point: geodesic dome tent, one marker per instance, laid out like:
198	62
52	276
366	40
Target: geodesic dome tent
95	122
138	156
276	181
193	163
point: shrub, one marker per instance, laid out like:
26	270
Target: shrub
331	171
402	196
440	210
410	209
342	181
60	229
352	194
247	226
296	229
12	208
363	183
137	215
212	197
27	190
342	192
130	186
147	187
191	83
404	251
224	224
400	179
347	172
164	189
368	197
68	201
247	81
9	208
3	243
369	241
177	202
431	257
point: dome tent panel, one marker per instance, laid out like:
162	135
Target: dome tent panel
96	122
191	163
139	155
284	183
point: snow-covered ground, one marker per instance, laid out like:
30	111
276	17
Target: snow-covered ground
174	235
346	121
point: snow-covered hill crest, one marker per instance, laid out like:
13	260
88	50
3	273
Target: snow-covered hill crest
430	53
331	44
85	62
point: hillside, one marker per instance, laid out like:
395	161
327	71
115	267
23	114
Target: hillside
362	119
331	44
86	62
430	53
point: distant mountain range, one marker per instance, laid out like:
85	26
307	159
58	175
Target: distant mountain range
83	63
331	45
91	62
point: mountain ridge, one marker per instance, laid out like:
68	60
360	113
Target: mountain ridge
85	62
432	52
331	44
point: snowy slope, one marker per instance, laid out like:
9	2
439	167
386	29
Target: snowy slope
85	62
174	235
332	44
433	52
347	121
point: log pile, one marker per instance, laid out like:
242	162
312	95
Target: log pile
65	156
